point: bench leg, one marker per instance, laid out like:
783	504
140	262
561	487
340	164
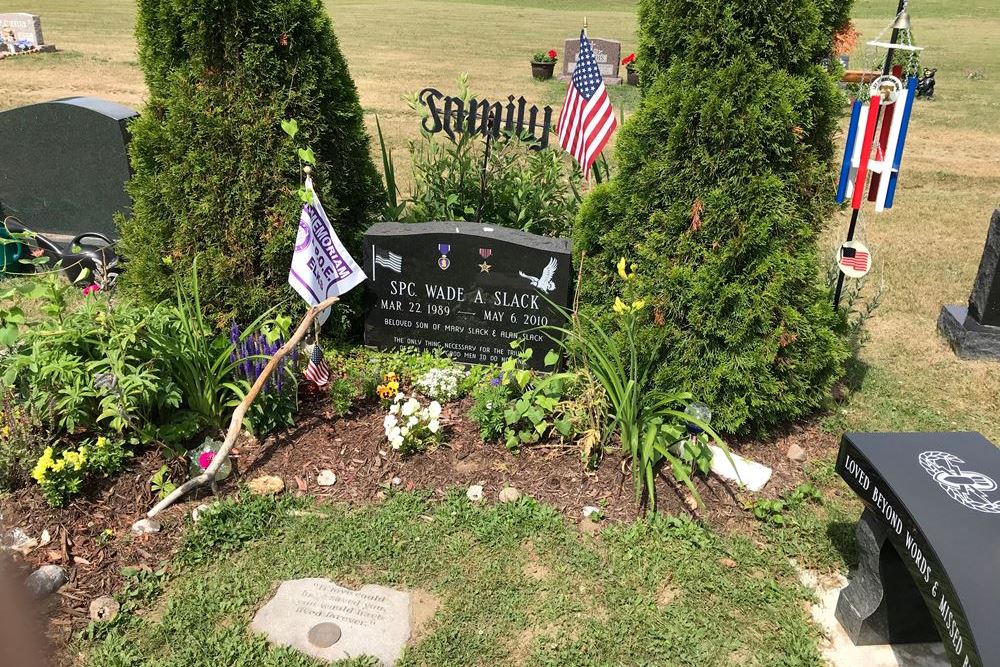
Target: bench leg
882	605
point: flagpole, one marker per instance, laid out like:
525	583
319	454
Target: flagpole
886	68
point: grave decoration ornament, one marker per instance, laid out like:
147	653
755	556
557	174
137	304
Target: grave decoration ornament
880	117
451	115
465	289
925	87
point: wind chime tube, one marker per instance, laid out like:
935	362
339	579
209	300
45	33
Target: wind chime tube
890	151
911	92
866	150
882	150
856	150
845	169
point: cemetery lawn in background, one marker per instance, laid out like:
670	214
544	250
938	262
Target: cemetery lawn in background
496	584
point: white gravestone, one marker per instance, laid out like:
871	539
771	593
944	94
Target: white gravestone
330	622
19	30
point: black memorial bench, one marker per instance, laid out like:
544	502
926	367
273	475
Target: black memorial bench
928	543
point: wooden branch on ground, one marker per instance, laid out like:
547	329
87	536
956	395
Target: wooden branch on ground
236	423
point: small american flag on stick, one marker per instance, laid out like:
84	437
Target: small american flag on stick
855	259
587	120
317	371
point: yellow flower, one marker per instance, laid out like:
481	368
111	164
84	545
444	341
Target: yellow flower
620	306
44	463
5	432
101	442
623	270
638	305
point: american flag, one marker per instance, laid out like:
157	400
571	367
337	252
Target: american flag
317	371
854	259
587	120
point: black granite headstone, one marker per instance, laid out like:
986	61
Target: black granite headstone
932	502
64	164
466	289
974	331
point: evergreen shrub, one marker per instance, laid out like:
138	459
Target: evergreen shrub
723	182
214	172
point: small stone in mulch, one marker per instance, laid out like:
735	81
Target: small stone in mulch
104	608
146	526
475	493
266	485
18	540
200	511
326	478
45	581
396	481
796	453
509	494
591	512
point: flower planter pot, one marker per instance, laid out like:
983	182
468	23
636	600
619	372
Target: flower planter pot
633	76
542	71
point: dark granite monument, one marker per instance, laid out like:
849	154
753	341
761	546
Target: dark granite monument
607	52
466	289
64	165
928	542
974	331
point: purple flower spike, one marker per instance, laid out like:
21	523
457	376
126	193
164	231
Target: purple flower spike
495	382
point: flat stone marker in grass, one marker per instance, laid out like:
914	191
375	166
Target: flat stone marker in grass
330	622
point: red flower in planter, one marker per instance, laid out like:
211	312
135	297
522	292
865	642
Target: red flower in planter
629	59
553	54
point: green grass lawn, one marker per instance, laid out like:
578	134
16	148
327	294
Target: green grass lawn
514	584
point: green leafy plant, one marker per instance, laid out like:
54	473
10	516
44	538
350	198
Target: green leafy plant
772	511
161	484
650	422
489	405
545	57
23	437
535	191
62	475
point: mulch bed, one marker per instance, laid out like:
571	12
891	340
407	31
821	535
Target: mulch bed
354	447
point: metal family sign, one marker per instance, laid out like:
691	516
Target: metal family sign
453	116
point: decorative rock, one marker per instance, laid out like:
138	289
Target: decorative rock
396	481
104	608
796	453
198	512
475	493
326	478
749	473
509	494
18	540
591	512
146	526
45	539
330	622
45	581
266	485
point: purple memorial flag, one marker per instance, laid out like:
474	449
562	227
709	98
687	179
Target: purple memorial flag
321	266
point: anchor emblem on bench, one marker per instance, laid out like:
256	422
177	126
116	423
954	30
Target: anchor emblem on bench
963	486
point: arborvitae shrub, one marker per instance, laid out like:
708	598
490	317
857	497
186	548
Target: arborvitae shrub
723	181
214	172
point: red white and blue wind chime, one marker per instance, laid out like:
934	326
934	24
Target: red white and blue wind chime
880	116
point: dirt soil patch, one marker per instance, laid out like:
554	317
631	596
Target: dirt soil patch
91	537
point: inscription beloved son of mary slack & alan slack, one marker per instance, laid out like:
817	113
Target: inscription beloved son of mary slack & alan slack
465	289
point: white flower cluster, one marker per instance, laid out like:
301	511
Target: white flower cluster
441	383
410	426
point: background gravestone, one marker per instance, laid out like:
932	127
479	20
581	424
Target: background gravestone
974	331
26	27
64	165
465	289
607	52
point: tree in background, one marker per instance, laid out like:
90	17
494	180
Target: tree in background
723	181
215	173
